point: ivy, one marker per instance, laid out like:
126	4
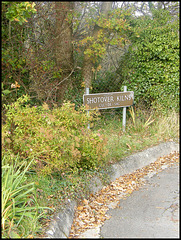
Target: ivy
153	62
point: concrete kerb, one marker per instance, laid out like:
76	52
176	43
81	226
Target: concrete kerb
141	159
62	222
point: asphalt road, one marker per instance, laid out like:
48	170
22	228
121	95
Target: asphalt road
150	212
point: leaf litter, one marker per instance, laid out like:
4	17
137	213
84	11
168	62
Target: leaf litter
92	212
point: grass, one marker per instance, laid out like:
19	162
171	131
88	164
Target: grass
20	210
143	130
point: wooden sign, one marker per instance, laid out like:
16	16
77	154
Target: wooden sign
108	100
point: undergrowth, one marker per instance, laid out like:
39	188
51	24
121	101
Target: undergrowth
143	129
65	155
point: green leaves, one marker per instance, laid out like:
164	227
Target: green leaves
19	12
154	59
115	26
58	139
4	91
18	199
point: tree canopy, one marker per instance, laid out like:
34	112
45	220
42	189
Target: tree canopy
53	50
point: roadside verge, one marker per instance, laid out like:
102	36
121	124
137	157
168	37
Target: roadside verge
61	224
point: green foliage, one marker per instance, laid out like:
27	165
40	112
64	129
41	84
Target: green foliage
57	139
4	91
115	25
14	60
19	11
153	61
25	50
18	200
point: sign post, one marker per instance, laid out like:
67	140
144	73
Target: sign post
124	113
109	100
87	92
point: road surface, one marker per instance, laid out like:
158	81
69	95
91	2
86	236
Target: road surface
150	212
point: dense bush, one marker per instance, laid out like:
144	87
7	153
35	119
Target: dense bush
57	139
151	66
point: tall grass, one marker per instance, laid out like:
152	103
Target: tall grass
143	129
19	207
168	125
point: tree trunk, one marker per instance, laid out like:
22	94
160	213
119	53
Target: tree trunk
63	46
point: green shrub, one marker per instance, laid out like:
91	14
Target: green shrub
19	207
151	66
57	139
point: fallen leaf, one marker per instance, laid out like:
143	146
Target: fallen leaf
93	212
85	201
128	145
80	208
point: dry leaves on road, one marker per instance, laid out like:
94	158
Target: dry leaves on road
92	212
